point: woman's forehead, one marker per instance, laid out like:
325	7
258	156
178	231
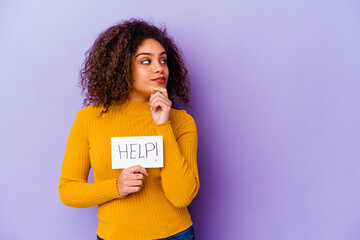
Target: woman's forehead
150	45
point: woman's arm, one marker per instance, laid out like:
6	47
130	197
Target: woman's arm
180	178
73	187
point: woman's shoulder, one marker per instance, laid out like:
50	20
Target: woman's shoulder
91	111
181	117
179	113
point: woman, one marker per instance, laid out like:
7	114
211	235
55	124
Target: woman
130	75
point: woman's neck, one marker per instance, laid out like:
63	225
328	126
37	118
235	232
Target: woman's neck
139	107
138	97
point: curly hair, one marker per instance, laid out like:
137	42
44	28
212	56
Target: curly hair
106	76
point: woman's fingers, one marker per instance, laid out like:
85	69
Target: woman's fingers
160	105
159	99
136	169
136	183
137	176
165	105
134	186
161	90
158	95
131	180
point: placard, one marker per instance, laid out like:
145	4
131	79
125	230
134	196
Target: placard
146	151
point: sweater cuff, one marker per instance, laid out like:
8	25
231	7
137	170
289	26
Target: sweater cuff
111	189
164	128
117	190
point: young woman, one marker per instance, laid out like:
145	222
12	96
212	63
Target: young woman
130	77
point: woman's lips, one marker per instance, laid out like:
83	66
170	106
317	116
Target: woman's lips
159	80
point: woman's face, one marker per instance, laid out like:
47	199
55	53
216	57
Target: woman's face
149	69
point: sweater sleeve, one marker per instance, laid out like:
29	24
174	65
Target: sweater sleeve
73	187
179	176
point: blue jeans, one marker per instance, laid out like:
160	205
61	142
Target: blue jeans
187	234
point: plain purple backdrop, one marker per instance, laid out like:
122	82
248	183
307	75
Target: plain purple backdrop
275	97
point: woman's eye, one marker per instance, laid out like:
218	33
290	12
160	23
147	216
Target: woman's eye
164	61
145	62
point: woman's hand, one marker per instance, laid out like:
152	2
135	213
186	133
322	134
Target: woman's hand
131	180
160	105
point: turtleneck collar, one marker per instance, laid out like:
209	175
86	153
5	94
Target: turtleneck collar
135	107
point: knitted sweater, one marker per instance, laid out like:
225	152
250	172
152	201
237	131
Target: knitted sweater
159	210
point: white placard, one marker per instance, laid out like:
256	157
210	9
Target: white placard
146	151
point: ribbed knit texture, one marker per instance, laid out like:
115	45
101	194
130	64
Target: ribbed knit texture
159	210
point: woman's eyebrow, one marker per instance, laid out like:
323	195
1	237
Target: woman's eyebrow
151	54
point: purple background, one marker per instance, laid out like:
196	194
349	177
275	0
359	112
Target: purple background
275	97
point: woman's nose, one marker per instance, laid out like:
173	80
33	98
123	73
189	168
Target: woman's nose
158	68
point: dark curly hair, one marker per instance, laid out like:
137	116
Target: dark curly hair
106	76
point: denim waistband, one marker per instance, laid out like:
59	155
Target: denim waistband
187	234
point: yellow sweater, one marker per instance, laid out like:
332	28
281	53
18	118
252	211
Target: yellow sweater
159	210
